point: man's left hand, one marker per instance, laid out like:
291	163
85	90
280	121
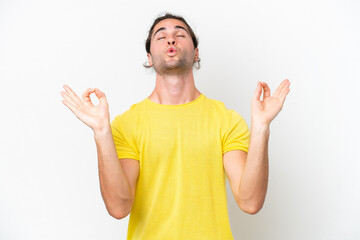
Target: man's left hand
266	110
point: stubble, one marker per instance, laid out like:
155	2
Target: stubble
174	67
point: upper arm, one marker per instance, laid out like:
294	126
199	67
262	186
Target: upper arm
234	163
131	169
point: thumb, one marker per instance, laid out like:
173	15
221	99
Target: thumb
100	95
257	92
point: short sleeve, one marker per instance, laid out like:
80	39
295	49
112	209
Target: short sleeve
237	136
124	138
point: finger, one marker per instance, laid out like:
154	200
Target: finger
266	90
284	93
100	95
86	95
280	88
71	106
72	94
258	91
284	89
286	86
283	97
68	98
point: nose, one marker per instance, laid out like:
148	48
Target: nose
171	41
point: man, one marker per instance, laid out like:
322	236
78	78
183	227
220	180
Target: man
165	159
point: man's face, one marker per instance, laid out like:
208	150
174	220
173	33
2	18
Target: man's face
172	49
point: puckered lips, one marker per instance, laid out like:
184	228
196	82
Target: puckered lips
171	51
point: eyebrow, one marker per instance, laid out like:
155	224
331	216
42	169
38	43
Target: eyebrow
163	28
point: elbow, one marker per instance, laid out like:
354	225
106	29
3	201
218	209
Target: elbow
119	214
250	209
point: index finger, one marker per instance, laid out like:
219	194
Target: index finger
258	91
86	94
266	90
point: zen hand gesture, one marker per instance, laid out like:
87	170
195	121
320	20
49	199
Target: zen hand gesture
96	117
265	111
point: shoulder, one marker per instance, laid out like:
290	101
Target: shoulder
130	116
221	109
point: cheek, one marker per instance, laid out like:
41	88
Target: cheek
189	51
155	48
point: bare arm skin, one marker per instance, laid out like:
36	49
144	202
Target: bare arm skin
115	188
248	172
116	191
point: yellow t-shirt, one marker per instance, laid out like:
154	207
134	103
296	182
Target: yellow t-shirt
181	188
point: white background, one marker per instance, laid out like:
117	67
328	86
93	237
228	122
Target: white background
49	186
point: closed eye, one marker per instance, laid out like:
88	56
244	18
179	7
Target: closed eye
160	38
180	35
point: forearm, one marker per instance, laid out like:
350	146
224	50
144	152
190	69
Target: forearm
115	189
254	179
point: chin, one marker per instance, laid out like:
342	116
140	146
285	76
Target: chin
173	66
176	63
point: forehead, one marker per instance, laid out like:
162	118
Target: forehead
169	24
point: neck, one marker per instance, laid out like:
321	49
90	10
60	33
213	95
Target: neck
174	89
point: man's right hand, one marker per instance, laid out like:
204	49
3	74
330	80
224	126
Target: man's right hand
96	117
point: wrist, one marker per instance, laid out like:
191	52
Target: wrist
102	131
260	126
257	122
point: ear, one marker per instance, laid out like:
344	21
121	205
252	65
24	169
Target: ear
150	59
196	54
